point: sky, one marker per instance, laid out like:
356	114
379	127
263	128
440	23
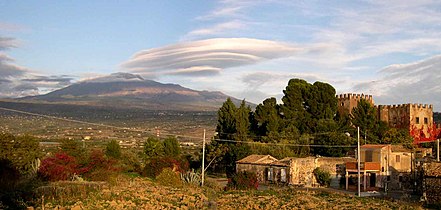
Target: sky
248	49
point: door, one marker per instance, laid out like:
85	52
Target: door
372	180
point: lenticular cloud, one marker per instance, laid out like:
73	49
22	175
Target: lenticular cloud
206	57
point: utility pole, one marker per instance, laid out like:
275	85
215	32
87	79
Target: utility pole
203	160
358	160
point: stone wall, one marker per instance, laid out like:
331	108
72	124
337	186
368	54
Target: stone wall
346	102
260	170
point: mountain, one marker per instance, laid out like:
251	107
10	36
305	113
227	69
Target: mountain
133	91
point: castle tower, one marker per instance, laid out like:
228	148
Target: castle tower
346	102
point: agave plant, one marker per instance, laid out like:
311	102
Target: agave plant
191	177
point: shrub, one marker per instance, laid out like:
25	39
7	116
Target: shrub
191	177
22	151
323	177
169	177
243	180
155	166
99	168
130	162
59	167
171	147
113	150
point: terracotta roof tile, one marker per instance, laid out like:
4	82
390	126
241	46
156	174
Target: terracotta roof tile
257	159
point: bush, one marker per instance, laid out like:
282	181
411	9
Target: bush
243	180
113	150
323	177
155	166
59	167
169	177
191	177
99	168
130	162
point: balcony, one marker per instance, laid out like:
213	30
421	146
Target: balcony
364	166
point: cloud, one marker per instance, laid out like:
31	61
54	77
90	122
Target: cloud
217	29
7	68
417	82
19	81
207	57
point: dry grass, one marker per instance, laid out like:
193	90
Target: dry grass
142	193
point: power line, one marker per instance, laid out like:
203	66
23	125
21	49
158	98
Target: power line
284	144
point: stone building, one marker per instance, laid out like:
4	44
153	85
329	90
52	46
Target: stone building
292	171
347	102
407	116
385	164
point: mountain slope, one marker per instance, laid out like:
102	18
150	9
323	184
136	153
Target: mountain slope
123	89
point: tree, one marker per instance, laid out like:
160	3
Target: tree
322	103
22	151
226	120
171	147
153	148
113	149
363	116
293	108
242	122
267	118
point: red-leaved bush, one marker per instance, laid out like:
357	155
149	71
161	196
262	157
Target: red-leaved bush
99	167
243	180
59	167
155	166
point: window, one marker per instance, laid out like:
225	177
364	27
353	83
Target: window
270	174
282	175
417	120
397	158
426	121
368	157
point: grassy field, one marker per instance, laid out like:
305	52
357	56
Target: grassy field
143	193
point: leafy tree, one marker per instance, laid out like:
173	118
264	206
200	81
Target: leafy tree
22	151
323	103
234	153
226	122
153	148
293	108
242	122
267	119
113	149
333	139
363	116
72	148
171	147
397	136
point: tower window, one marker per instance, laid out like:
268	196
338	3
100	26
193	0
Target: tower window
417	120
426	121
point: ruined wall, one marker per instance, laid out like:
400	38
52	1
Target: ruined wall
260	170
346	102
301	169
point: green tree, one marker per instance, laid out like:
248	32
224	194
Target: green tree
267	119
72	147
293	104
226	120
113	149
153	148
322	103
363	116
171	147
22	151
242	122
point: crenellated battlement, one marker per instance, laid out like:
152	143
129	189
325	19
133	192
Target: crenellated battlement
348	96
405	106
